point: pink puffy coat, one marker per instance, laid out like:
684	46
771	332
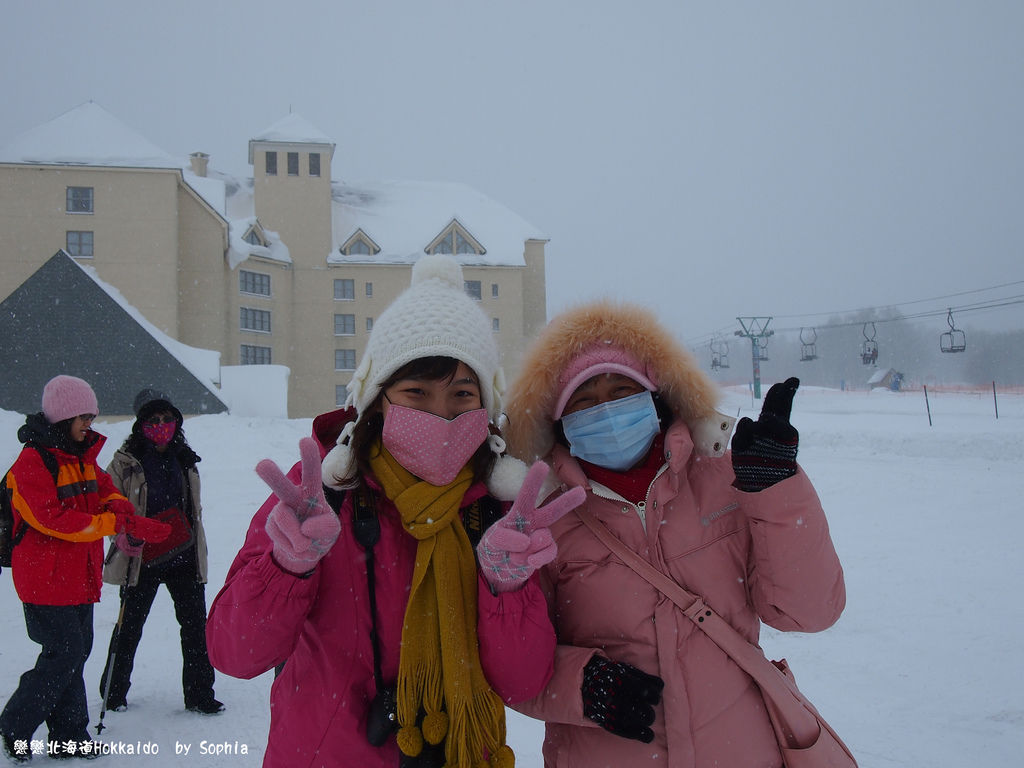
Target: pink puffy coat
753	557
321	626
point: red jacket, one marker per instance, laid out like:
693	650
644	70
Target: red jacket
321	625
59	560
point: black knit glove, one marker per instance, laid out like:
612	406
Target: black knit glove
764	452
620	698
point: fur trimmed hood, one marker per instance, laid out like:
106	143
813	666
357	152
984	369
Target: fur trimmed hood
686	389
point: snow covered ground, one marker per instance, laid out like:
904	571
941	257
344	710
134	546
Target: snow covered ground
923	669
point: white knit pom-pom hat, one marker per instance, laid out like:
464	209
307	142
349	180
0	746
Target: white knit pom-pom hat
433	317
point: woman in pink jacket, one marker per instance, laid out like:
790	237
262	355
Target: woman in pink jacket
359	575
624	412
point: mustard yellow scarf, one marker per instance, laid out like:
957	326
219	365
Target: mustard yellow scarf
439	666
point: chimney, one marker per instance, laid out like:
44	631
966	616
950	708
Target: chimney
199	162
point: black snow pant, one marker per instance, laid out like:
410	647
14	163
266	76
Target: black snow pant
54	690
189	598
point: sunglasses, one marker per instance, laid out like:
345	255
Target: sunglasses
161	420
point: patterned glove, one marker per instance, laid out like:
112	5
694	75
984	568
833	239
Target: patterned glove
130	546
302	526
764	452
620	698
143	528
521	542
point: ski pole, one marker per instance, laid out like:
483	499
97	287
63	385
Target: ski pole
115	641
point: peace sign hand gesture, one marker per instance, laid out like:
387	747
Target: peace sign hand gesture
302	526
521	542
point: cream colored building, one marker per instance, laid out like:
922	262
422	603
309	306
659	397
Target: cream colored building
288	267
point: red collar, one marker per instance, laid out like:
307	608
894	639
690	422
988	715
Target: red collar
631	484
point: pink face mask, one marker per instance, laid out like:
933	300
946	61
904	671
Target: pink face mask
431	447
160	434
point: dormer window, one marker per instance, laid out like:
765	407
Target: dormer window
455	239
360	244
254	236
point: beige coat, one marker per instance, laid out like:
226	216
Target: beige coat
128	476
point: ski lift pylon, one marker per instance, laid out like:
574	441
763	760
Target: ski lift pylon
869	348
953	340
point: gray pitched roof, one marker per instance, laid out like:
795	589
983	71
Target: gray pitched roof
61	321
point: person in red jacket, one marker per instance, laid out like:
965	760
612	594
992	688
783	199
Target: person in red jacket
57	564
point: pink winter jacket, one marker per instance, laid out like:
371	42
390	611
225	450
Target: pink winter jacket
753	556
321	625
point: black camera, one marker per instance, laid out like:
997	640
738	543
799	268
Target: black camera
382	720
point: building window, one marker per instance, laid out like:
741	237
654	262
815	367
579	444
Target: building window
79	200
358	248
494	290
495	324
473	289
340	394
369	324
344	325
253	355
253	238
255	283
344	290
271	163
314	163
344	359
255	320
293	163
369	290
79	244
455	239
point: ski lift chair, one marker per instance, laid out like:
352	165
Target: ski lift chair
808	350
953	340
869	348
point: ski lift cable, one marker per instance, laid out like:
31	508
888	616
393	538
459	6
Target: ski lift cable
902	303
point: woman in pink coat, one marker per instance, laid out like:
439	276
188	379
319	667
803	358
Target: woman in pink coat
358	578
621	410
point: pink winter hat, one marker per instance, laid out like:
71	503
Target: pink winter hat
65	397
602	358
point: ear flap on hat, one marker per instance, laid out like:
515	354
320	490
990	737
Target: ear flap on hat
339	463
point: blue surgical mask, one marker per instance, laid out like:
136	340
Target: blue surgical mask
614	435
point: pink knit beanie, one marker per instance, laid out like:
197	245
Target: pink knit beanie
602	358
65	397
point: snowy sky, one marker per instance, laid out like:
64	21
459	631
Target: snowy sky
793	159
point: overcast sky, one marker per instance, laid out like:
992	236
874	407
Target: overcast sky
792	159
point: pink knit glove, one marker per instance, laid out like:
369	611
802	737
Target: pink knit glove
302	526
130	546
521	542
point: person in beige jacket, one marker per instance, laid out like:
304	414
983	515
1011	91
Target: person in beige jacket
156	469
617	407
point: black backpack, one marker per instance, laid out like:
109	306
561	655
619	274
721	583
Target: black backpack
9	538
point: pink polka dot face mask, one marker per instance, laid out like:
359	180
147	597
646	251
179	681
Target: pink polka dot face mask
431	447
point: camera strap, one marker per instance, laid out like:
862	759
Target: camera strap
366	529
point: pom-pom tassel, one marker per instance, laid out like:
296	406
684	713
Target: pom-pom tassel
410	740
435	727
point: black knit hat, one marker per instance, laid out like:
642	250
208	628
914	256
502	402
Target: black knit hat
150	401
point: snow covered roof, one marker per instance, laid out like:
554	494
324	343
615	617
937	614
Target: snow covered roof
86	135
292	129
403	217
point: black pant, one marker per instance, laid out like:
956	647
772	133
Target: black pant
189	608
54	690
